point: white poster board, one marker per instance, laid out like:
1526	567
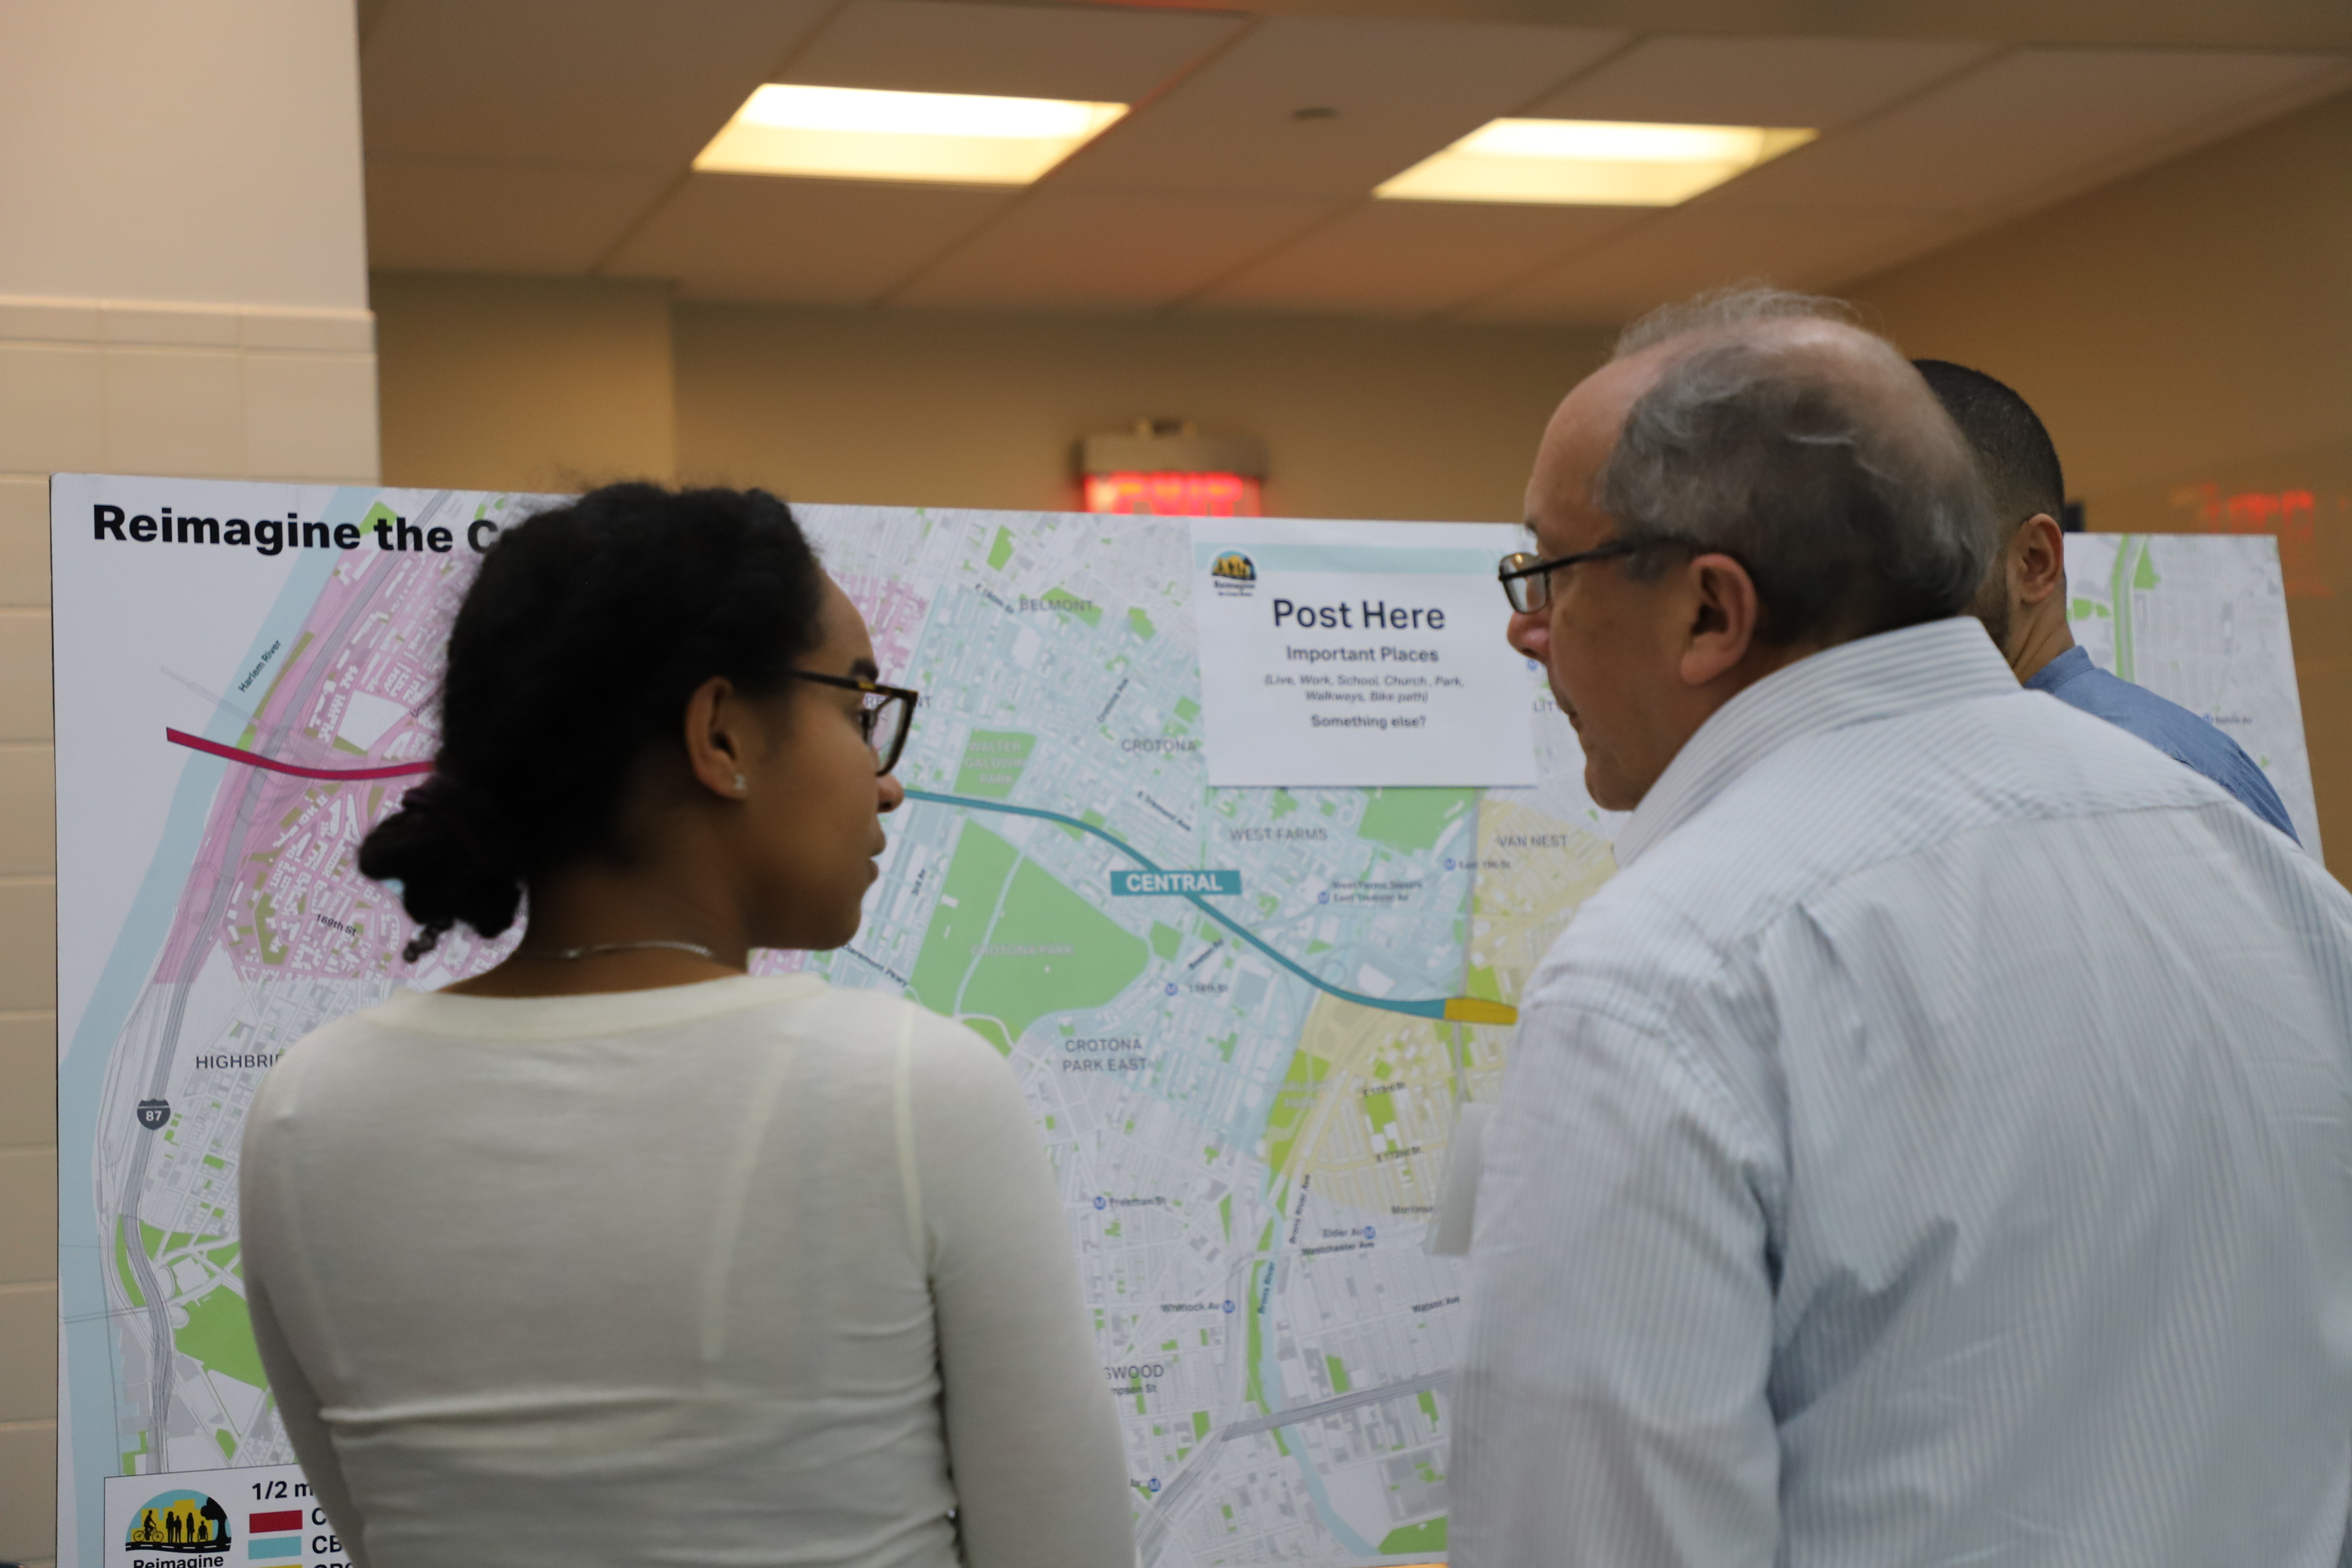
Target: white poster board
1244	1016
1245	1067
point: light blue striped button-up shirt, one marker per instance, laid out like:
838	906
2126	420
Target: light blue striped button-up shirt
1933	1147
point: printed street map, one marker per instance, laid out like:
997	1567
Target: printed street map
1245	1077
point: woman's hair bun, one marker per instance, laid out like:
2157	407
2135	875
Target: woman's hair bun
570	661
453	859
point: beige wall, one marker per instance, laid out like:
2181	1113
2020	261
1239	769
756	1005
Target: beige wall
2198	313
1360	419
203	154
522	383
503	382
182	290
2187	334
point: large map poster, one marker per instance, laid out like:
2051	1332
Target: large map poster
1245	1081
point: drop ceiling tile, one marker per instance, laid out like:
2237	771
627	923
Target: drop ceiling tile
1690	249
816	242
1063	248
631	83
1820	83
1099	55
1401	89
1414	257
452	216
2028	126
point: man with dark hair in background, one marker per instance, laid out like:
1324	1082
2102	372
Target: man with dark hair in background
2023	603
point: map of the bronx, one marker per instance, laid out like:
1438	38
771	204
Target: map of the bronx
1245	1082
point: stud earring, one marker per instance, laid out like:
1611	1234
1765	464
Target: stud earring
742	785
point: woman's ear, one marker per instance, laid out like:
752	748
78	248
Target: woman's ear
717	739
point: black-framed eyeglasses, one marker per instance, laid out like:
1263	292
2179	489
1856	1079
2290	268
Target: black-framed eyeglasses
1527	580
885	716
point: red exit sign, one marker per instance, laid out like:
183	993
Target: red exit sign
2292	515
1173	494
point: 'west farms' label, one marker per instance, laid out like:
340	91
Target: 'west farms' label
1139	884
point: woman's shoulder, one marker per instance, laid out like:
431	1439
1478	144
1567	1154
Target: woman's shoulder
880	1019
598	1014
329	1041
799	1011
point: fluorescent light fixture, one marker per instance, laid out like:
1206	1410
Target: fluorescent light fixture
947	138
1589	162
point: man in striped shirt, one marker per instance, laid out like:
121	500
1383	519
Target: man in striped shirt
1932	1146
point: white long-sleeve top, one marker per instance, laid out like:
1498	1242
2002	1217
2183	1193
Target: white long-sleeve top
749	1272
1932	1147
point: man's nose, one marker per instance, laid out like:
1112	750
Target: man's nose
1530	635
894	793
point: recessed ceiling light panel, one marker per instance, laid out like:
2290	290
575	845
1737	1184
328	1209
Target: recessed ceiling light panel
1589	162
941	137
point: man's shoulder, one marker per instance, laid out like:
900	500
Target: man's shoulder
2160	721
2186	737
1832	805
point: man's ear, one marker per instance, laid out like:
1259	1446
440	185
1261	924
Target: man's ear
1723	610
2037	559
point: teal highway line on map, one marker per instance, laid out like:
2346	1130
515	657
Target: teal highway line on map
1430	1009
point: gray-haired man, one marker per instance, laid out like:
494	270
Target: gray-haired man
1931	1147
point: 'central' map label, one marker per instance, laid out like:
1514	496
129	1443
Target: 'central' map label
1135	884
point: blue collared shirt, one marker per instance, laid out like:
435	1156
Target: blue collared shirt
1934	1146
2172	728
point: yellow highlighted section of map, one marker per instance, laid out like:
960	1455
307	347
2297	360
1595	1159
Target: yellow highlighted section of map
1478	1010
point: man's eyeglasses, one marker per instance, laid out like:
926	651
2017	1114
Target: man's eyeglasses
1527	580
883	719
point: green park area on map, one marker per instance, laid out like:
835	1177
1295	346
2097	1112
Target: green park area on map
1010	944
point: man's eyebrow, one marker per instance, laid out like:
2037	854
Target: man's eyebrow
865	668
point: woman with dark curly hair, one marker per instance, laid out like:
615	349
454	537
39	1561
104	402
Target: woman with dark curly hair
617	1254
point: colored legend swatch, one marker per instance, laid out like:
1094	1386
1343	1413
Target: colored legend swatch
270	1535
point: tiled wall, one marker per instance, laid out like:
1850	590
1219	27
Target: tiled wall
111	386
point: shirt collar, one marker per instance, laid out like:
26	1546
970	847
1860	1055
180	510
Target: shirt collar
2076	662
1878	677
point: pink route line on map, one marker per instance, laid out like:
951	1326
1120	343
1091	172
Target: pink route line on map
256	759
